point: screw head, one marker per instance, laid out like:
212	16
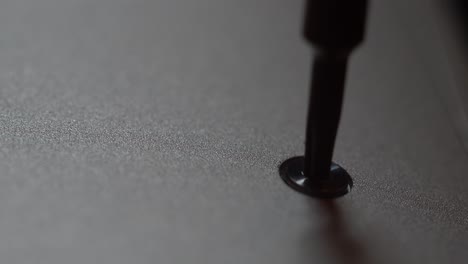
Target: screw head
337	184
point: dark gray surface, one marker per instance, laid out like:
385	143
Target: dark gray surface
151	131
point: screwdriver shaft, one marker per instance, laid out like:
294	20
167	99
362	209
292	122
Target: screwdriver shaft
325	103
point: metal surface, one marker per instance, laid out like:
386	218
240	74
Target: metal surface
151	132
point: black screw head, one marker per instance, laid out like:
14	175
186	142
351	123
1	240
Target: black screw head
337	184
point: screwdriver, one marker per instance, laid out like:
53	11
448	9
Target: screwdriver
334	28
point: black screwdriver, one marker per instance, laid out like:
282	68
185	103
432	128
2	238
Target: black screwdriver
334	28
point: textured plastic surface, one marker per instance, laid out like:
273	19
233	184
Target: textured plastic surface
152	131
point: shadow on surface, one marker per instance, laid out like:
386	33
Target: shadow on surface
335	235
